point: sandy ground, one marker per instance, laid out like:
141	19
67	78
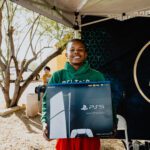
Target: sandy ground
18	132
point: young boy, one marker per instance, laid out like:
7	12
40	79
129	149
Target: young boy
46	75
76	70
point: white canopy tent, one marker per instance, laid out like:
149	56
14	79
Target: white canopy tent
69	12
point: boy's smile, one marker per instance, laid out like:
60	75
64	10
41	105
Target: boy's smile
76	53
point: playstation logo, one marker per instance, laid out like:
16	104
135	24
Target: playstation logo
84	107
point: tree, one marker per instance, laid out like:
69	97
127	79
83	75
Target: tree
11	35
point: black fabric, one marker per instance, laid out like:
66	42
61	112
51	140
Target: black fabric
112	49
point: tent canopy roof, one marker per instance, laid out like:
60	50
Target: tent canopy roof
63	11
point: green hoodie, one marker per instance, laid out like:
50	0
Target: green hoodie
70	75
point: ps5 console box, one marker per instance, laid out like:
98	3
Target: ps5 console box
79	110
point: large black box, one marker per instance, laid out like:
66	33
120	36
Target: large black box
79	110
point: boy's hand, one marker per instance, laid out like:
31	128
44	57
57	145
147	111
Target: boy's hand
45	132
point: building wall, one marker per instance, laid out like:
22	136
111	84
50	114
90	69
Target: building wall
58	62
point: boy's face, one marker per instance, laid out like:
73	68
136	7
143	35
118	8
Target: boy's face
46	71
76	53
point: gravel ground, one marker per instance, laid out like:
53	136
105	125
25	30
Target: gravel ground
18	132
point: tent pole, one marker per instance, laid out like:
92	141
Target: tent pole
76	34
97	21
